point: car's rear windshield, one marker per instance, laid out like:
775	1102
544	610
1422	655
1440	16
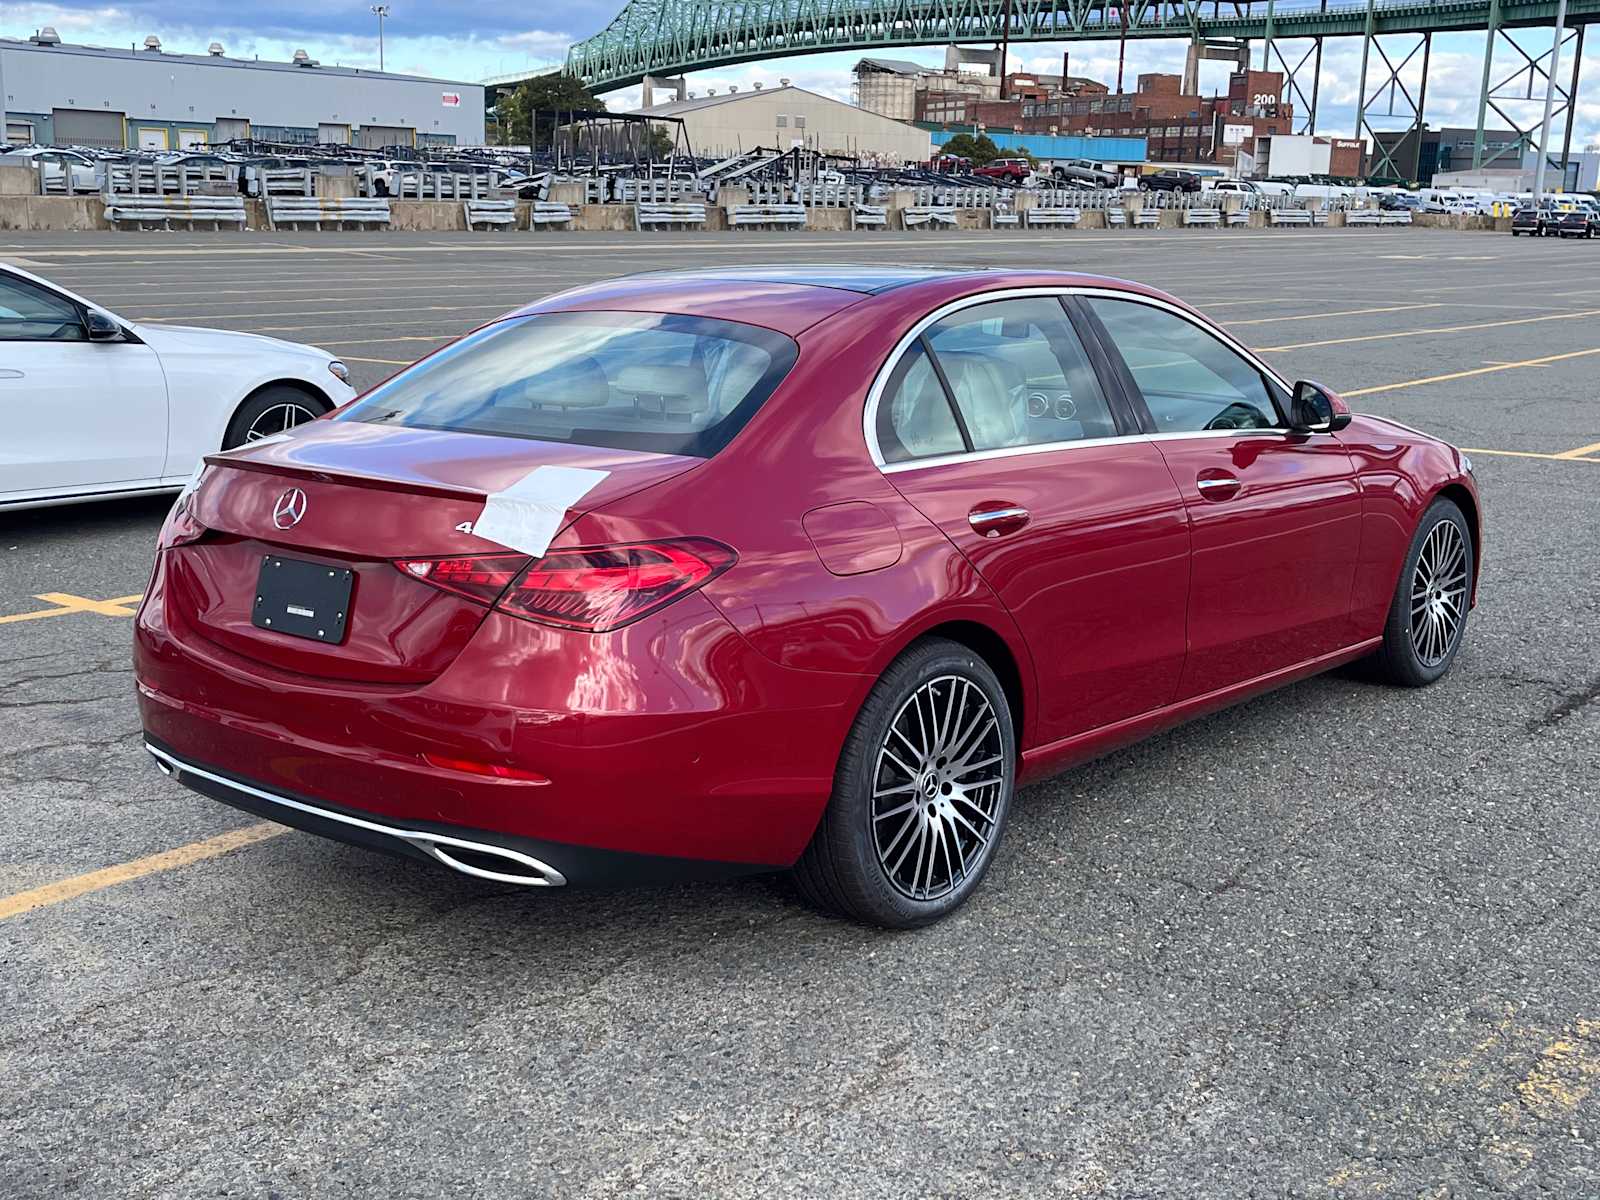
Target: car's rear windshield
625	381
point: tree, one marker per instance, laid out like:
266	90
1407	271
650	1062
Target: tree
529	114
660	144
980	149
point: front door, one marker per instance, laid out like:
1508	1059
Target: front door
995	425
79	415
1276	517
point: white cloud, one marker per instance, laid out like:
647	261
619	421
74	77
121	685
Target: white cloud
541	43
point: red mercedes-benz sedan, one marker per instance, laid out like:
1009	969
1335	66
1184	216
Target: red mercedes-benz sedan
760	568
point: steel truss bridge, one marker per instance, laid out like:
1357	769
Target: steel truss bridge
659	38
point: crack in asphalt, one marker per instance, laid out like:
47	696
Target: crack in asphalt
1568	705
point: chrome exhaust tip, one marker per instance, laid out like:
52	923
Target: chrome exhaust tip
483	861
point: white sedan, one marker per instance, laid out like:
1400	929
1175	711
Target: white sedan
96	406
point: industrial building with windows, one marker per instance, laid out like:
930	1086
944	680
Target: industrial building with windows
65	95
785	117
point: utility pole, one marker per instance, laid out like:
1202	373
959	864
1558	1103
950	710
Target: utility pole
380	11
1005	46
1549	104
5	128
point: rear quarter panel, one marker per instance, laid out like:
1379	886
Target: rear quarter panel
805	452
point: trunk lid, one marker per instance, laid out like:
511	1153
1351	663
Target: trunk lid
371	494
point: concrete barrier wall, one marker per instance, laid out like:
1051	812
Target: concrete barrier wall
58	214
52	214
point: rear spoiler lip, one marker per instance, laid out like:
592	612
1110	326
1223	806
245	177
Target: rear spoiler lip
378	482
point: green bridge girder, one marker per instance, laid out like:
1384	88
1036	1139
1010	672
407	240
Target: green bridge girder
668	37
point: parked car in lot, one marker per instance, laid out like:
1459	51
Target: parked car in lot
1534	221
1436	201
1578	221
1081	172
99	406
1171	181
750	568
60	170
1399	202
1233	187
1016	169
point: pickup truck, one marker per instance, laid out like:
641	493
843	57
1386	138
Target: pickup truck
1006	168
1080	172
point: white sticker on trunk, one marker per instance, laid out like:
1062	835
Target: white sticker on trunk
526	515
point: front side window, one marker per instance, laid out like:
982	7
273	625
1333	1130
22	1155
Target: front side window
1019	375
1189	379
627	381
33	314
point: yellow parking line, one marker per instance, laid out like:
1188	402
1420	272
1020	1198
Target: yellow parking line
1348	312
64	604
1568	457
1381	337
167	860
388	362
1510	366
1581	451
384	341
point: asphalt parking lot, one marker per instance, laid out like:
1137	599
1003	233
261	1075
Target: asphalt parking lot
1341	941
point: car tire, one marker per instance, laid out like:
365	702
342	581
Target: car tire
271	410
881	854
1428	615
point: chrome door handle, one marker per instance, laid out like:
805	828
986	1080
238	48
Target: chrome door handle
1217	487
992	521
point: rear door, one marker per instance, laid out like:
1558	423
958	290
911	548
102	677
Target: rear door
1276	517
996	425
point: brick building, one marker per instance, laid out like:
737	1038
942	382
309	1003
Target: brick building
965	107
1178	127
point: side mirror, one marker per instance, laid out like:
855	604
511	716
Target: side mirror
1315	409
101	327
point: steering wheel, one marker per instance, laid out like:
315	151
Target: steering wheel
1237	415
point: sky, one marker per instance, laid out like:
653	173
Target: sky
470	42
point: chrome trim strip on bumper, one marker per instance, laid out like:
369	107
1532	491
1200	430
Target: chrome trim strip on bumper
431	844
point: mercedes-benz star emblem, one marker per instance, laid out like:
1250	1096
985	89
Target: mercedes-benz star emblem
291	506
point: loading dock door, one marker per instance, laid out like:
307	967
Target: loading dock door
229	128
376	137
152	139
333	135
85	127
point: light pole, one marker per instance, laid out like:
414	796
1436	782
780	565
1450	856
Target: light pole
1549	106
380	11
5	129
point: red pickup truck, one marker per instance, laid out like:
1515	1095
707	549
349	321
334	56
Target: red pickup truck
1006	168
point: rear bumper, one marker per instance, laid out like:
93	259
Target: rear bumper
483	854
669	739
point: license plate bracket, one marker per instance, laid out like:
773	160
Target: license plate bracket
302	599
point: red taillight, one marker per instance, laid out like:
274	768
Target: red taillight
604	587
468	766
593	588
481	577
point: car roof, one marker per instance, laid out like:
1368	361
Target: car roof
865	278
793	298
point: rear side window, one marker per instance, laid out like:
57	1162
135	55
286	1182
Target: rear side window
626	381
1019	375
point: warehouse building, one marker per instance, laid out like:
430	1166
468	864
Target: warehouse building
785	117
58	94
